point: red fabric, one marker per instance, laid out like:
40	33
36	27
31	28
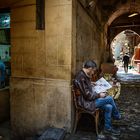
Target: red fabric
137	54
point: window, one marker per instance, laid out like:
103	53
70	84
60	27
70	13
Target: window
40	14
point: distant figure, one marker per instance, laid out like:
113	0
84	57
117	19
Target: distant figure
2	74
126	62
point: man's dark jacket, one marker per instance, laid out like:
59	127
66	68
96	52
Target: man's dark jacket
87	96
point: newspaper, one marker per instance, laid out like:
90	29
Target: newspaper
101	85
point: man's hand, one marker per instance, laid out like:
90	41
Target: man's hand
102	94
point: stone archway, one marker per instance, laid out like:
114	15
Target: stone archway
124	42
124	9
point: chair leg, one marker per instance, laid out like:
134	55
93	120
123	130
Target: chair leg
75	123
97	121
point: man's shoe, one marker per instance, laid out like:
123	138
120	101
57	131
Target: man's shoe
112	131
117	117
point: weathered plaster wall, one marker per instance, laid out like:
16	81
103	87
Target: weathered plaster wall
58	35
41	67
36	104
58	45
88	38
28	55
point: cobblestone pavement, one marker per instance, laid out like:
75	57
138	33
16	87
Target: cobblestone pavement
129	105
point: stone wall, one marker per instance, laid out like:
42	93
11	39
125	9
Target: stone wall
27	51
41	67
58	45
58	39
88	38
37	104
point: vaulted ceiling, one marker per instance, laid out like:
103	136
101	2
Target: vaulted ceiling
6	3
110	6
106	7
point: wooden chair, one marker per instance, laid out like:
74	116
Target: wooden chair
109	68
79	110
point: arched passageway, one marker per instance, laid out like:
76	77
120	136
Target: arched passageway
120	21
124	42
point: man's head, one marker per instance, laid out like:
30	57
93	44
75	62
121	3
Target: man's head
89	67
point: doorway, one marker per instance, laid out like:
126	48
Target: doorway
5	67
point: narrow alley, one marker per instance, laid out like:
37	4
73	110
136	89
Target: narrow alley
45	43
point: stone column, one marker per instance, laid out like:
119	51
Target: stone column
41	68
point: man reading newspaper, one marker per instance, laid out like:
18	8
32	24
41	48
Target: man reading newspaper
91	99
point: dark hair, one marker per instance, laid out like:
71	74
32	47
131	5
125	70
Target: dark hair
89	64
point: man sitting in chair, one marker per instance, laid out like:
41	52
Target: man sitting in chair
90	100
